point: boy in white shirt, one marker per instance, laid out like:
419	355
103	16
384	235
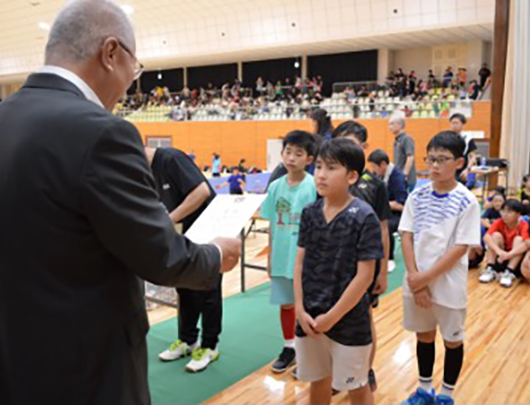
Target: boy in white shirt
441	220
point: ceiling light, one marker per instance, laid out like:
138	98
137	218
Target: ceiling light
44	26
160	76
127	9
296	64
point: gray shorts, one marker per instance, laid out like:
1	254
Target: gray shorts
321	358
452	322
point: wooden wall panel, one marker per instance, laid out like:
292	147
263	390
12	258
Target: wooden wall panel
248	139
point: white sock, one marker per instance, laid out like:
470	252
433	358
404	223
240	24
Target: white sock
447	390
289	343
425	384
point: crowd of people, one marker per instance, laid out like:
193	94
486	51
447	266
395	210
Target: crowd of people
300	96
400	84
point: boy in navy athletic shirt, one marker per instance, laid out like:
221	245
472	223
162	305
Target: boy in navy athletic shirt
339	243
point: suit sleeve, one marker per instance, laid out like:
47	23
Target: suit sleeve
120	202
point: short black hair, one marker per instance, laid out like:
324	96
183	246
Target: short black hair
345	152
500	190
460	116
378	156
450	141
301	139
513	205
497	194
351	128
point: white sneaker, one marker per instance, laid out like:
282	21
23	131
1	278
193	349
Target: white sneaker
488	275
507	279
391	266
177	350
201	359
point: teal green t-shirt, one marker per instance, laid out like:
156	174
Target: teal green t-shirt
283	208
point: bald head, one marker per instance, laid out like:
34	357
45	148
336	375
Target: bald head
81	28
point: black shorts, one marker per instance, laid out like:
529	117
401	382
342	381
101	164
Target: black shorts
374	297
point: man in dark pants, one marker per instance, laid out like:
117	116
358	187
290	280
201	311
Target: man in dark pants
82	226
186	193
396	184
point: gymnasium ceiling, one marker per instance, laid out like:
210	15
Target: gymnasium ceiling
173	33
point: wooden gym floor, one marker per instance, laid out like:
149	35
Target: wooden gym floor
497	349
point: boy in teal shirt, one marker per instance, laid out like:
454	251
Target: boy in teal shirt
286	199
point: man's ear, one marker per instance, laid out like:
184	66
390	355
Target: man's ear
460	162
109	51
310	160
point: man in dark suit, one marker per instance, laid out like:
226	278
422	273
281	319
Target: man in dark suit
81	225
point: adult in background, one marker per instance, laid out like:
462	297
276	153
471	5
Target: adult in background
404	148
82	224
396	185
484	73
186	193
322	125
457	122
216	165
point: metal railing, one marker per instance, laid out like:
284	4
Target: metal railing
338	109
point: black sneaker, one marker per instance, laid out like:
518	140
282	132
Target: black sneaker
372	381
286	359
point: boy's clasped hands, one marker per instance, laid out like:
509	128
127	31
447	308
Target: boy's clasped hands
418	284
315	327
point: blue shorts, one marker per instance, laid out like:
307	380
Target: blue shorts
282	291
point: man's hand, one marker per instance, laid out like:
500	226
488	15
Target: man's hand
308	324
463	175
381	284
422	298
417	281
324	323
231	248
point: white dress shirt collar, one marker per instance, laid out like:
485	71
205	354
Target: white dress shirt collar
75	80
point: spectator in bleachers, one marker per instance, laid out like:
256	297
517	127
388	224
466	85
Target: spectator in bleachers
413	79
448	77
484	73
404	148
462	77
260	86
431	78
396	184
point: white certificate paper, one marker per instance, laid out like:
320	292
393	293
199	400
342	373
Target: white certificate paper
225	216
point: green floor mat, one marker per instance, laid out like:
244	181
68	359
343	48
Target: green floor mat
251	339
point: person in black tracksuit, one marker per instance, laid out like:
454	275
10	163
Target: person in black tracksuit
186	193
